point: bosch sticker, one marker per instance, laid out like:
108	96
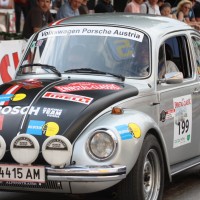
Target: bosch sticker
124	132
81	86
68	97
19	110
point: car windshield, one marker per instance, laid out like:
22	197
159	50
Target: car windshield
120	51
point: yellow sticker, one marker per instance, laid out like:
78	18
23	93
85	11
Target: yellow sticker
50	129
18	97
135	130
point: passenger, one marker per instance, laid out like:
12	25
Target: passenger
168	65
140	65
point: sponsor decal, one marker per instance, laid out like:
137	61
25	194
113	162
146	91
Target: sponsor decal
23	142
68	97
50	129
37	127
18	97
80	86
1	121
100	31
11	90
170	113
135	130
124	132
52	112
56	144
19	110
162	116
5	97
182	120
30	84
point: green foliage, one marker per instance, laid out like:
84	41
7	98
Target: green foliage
10	36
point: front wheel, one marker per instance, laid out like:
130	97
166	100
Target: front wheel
146	180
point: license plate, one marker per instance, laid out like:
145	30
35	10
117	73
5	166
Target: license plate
22	173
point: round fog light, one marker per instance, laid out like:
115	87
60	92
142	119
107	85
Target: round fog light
24	148
2	147
57	151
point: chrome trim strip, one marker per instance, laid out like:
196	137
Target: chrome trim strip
87	173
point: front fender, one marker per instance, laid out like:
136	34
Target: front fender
128	148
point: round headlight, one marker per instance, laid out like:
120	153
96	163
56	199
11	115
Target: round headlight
102	144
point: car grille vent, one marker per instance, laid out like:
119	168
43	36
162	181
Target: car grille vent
52	185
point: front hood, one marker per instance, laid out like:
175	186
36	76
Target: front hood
45	108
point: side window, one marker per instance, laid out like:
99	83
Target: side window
196	45
176	53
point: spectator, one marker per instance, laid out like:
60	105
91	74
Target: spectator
184	10
83	9
20	6
160	2
103	6
38	17
196	9
133	6
166	10
150	7
69	9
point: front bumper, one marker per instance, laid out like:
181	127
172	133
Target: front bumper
87	173
72	180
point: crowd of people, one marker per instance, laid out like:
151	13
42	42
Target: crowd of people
37	12
187	11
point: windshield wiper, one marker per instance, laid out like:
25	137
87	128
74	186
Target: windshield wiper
89	70
43	66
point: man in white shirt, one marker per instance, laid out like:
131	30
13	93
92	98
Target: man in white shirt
150	7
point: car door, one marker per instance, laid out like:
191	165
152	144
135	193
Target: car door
179	106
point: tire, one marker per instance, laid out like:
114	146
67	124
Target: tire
146	180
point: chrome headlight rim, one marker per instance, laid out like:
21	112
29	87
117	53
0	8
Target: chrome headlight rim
115	144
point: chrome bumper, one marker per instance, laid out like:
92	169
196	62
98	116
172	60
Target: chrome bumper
87	173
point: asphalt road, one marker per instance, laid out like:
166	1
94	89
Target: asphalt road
185	186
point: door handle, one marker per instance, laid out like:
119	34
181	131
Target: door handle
196	91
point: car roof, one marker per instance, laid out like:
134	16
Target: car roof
151	24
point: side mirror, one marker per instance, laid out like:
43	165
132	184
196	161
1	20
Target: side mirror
174	77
